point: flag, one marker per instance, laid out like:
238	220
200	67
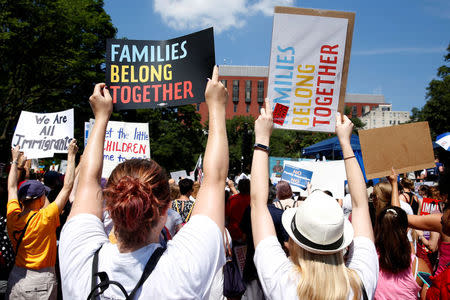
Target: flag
199	169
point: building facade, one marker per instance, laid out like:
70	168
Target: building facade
383	116
247	89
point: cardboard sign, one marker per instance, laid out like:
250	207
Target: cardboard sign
296	176
123	141
43	134
327	175
148	74
308	67
405	147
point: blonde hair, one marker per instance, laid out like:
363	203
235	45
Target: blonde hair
323	276
382	192
195	189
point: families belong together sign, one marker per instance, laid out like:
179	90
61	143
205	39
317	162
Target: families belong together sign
42	135
308	67
148	74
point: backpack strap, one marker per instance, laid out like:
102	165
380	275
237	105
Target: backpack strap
22	234
363	290
105	282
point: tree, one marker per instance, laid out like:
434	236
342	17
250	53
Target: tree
51	54
437	108
240	133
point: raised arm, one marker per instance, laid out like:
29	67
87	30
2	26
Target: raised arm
429	222
393	181
262	223
211	196
360	208
16	155
89	196
69	178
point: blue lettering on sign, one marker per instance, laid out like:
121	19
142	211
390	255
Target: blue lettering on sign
296	176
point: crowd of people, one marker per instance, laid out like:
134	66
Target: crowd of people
139	235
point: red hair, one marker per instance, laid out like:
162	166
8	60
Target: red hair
136	195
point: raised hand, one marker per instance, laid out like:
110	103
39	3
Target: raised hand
264	125
16	154
101	101
344	128
73	148
393	177
215	93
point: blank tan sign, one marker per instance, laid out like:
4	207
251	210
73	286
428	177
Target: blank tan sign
406	147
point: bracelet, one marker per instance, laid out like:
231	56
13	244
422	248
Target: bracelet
14	162
349	157
261	147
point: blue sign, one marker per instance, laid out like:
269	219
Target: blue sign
296	176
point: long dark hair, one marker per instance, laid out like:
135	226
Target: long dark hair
391	239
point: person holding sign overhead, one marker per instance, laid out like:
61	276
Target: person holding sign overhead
32	222
318	233
137	197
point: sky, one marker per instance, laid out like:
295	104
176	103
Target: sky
397	47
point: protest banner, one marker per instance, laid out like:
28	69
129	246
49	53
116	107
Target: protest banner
296	176
405	147
429	206
327	175
86	133
42	135
308	69
63	166
178	175
123	140
276	166
148	74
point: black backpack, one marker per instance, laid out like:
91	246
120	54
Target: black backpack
105	281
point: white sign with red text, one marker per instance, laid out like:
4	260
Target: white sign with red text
306	68
123	140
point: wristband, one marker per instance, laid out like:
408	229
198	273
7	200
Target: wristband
261	147
348	157
14	162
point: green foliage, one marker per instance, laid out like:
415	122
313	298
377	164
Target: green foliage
240	133
51	54
176	135
437	109
290	143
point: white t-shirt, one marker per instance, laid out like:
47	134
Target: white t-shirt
185	270
406	207
279	279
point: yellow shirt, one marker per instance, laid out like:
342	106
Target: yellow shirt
38	247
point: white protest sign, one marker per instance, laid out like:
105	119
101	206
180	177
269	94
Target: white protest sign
123	141
63	166
307	67
43	134
329	175
177	175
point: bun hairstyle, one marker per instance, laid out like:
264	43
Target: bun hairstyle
137	193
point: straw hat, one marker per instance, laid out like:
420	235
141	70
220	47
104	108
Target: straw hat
318	224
